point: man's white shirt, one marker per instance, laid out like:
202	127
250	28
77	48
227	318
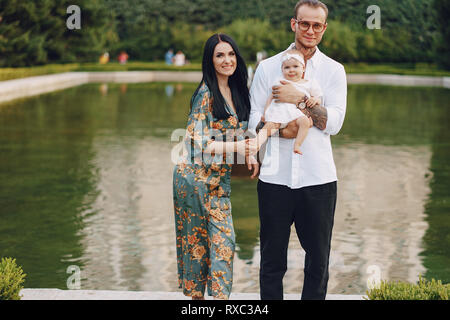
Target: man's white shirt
316	166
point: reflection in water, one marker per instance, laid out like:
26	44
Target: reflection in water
436	240
379	221
129	241
123	88
86	179
179	87
380	212
103	89
169	90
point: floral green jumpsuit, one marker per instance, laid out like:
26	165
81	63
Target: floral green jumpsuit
205	238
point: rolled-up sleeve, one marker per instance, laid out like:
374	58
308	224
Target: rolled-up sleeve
198	135
259	92
335	100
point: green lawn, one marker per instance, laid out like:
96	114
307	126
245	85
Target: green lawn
15	73
418	69
423	69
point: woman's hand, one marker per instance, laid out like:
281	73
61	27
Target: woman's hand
247	147
252	146
252	164
260	124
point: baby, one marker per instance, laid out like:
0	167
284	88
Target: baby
278	115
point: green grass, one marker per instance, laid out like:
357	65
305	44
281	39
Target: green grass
138	66
16	73
418	69
422	69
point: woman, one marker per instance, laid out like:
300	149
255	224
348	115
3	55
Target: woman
205	236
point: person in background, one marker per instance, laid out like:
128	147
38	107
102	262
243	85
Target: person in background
169	57
123	57
104	58
179	59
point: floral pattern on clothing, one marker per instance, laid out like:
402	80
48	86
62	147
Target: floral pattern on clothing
205	238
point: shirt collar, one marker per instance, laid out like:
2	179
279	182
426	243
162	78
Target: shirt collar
315	59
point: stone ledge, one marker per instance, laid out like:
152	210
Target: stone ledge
58	294
398	80
27	87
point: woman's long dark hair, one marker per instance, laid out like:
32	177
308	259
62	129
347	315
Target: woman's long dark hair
237	81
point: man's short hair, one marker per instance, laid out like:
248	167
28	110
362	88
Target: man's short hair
311	3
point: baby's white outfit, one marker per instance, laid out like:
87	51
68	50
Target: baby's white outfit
286	112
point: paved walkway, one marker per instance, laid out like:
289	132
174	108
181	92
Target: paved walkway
57	294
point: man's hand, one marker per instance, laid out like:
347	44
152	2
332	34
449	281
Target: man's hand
287	93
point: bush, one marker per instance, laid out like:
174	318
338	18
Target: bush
424	290
340	42
253	35
442	40
190	39
11	279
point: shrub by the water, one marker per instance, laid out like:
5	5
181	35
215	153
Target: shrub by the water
11	279
423	290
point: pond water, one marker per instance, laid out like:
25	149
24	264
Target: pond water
86	181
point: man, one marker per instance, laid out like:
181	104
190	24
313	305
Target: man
302	188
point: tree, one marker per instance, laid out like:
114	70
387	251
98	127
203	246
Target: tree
442	43
35	32
21	39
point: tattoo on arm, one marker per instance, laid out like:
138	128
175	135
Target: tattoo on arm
319	116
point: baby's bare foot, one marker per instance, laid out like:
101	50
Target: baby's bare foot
297	150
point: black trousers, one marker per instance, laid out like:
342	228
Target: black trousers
312	210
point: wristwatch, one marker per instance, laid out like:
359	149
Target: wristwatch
301	104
